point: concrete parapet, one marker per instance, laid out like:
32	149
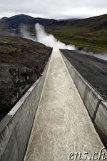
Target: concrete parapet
101	120
16	126
94	103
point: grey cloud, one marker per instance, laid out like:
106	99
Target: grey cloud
54	8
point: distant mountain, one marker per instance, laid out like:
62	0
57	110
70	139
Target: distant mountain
96	22
89	33
93	22
15	21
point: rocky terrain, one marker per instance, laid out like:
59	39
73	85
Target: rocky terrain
93	69
21	64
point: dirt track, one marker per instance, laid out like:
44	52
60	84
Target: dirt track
93	69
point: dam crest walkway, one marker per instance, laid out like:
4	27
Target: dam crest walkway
62	124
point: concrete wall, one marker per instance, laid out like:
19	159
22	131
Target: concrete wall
101	120
16	127
95	105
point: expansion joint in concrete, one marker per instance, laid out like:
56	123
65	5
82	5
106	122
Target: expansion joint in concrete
95	112
85	95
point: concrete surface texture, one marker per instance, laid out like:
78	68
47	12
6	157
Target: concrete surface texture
94	103
101	120
62	124
16	126
89	96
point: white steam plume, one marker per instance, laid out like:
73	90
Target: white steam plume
49	39
25	33
102	56
45	38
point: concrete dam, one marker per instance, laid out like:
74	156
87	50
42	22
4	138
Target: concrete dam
60	115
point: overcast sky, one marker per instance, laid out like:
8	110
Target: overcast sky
58	9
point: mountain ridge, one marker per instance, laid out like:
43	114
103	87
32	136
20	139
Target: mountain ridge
90	33
96	22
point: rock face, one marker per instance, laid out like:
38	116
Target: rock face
21	64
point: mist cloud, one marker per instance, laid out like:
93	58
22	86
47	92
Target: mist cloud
98	55
49	39
25	33
45	38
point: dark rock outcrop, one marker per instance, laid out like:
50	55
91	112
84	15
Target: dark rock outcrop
21	64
